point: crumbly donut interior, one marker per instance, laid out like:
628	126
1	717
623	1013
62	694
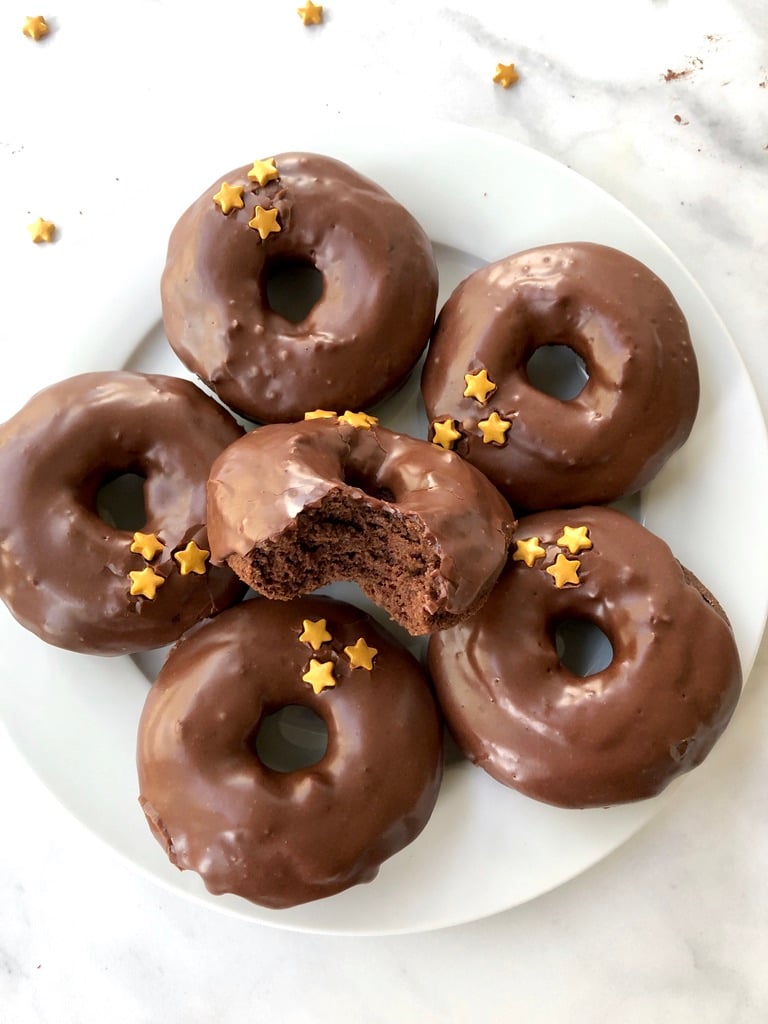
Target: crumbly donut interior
391	556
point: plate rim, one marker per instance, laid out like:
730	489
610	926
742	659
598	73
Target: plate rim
145	313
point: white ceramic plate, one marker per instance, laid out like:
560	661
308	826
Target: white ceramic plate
486	848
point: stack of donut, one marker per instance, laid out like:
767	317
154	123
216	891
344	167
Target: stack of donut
320	491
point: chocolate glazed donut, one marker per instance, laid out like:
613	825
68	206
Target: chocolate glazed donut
636	408
295	506
65	574
361	338
619	734
283	838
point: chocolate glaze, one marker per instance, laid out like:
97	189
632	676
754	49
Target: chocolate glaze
635	410
63	571
360	339
618	735
275	838
295	506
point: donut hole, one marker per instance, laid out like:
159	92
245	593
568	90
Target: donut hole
120	502
289	739
582	647
558	371
293	288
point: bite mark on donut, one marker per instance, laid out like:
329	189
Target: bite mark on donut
297	506
340	539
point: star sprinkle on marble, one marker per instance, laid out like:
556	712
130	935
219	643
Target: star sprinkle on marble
506	75
145	583
528	551
192	559
444	433
359	420
41	230
310	14
35	28
264	221
494	429
264	171
575	538
229	197
479	386
146	544
564	571
319	675
361	655
315	633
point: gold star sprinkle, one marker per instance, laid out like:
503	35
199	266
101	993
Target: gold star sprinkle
192	559
494	429
145	583
264	221
264	171
575	538
315	634
479	386
41	230
310	14
565	570
229	197
445	433
360	420
146	544
319	675
528	551
361	655
35	28
505	75
320	414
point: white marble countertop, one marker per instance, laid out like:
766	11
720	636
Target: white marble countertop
665	105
